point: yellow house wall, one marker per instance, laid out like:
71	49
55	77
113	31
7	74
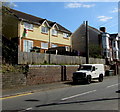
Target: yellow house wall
36	34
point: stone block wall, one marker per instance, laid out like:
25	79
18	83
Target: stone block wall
39	74
70	70
12	79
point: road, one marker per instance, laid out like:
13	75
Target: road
95	96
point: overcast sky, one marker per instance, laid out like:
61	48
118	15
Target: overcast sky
72	14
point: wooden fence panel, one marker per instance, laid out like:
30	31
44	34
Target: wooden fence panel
42	58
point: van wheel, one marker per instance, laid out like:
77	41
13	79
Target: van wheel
100	79
88	80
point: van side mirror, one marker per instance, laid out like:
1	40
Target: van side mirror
79	67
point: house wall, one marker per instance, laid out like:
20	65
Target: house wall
79	39
37	43
115	45
38	36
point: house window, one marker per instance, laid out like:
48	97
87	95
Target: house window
44	29
54	32
44	45
27	45
54	45
118	44
65	35
115	55
114	44
28	26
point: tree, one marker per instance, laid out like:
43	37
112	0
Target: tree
95	51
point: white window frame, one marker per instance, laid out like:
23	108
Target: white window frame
27	45
28	26
44	45
65	35
54	32
44	29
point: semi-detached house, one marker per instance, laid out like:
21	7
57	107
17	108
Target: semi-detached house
34	32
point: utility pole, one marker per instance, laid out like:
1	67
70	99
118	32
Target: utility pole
87	44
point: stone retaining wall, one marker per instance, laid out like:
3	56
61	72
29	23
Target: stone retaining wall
13	80
39	74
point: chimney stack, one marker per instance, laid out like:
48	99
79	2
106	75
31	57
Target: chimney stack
103	29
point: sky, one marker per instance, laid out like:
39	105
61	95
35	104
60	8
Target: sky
72	14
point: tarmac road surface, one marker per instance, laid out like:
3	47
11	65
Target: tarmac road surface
94	96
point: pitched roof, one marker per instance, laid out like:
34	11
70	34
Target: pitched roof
36	20
90	27
114	35
94	29
26	17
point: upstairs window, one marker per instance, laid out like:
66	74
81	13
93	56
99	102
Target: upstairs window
54	32
65	35
28	26
44	29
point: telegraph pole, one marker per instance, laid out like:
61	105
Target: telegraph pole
87	44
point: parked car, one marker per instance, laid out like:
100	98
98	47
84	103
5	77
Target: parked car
88	72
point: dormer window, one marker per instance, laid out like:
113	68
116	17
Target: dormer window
65	35
44	29
54	32
28	26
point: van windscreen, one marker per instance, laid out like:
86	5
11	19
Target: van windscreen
86	68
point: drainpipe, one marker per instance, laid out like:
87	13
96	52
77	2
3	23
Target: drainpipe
49	47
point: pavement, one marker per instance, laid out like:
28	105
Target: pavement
36	88
33	88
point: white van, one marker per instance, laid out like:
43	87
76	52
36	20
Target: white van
87	72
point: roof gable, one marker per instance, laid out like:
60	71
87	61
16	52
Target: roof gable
45	22
82	28
55	25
